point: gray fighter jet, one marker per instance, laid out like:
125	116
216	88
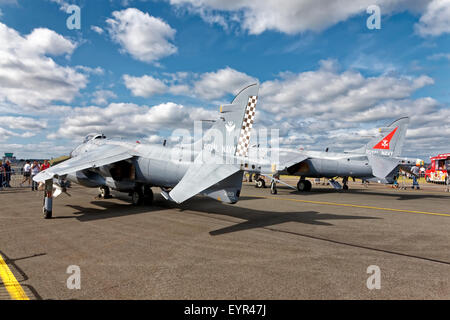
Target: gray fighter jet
377	161
212	166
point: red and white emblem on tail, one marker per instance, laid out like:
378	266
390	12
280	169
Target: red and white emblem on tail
384	143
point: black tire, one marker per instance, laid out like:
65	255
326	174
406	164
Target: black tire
260	183
345	187
137	197
105	193
273	188
263	182
148	195
302	185
47	214
308	185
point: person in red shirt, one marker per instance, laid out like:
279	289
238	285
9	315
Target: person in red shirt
45	165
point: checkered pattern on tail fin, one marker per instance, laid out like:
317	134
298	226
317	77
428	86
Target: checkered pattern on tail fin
247	124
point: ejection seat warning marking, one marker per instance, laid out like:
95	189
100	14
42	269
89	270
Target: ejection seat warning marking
13	287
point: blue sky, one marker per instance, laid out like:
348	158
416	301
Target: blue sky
139	69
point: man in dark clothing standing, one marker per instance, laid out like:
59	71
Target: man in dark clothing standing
2	169
415	176
447	166
7	170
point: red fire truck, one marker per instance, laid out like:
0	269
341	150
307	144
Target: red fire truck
437	171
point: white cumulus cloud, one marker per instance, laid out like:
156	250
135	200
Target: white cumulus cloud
144	37
97	29
101	97
129	120
435	20
28	76
213	85
207	86
144	86
289	16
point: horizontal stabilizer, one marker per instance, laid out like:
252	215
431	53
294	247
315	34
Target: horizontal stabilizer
383	167
201	176
228	190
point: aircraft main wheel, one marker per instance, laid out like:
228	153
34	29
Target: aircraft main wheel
308	185
148	195
304	185
47	214
260	183
301	185
105	193
137	197
273	188
345	187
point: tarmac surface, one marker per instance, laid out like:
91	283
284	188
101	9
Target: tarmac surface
314	245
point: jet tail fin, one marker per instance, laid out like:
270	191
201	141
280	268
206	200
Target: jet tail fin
393	138
230	134
217	170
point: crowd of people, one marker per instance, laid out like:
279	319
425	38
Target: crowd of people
29	170
32	169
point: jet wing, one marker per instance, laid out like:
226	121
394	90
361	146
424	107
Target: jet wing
102	155
199	177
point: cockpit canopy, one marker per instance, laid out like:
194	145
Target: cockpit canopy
94	136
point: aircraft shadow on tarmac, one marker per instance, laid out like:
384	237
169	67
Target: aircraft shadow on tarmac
263	219
267	219
400	195
108	210
254	218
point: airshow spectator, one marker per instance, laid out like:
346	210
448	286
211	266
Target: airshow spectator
26	173
7	174
35	168
2	169
415	175
45	165
447	167
422	171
